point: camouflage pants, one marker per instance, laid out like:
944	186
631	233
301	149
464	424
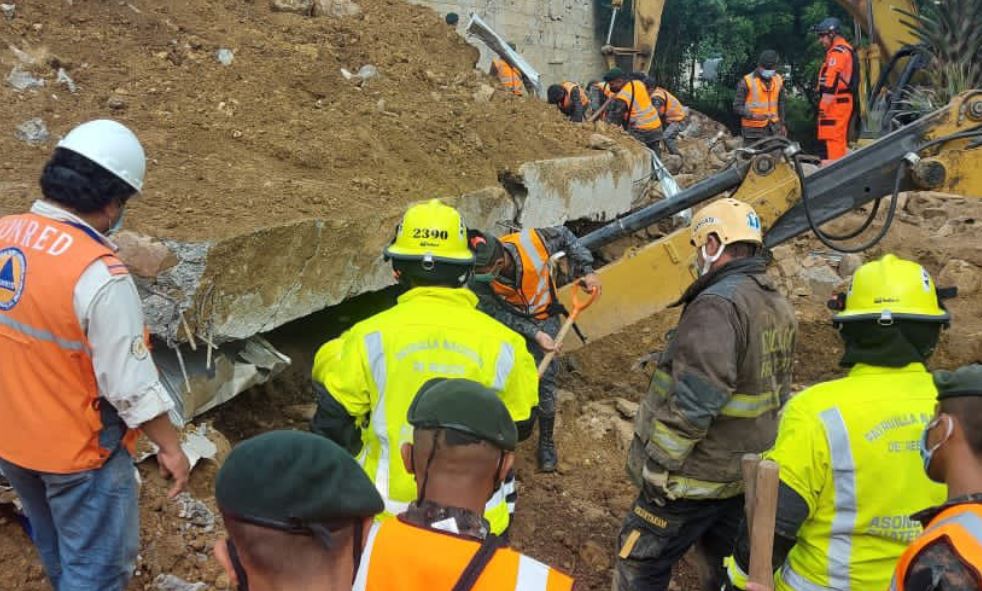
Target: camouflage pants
547	383
654	537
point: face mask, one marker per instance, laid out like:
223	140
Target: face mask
928	454
767	74
118	224
707	261
485	277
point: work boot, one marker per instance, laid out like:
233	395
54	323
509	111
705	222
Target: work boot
547	447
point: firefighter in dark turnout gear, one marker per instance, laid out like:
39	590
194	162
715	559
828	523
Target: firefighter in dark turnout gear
715	396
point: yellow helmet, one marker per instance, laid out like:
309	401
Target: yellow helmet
730	219
888	289
431	232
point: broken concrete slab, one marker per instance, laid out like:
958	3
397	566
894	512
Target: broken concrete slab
252	283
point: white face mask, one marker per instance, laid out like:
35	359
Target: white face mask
118	224
767	73
707	260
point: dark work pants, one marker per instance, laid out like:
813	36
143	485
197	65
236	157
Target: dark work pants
653	538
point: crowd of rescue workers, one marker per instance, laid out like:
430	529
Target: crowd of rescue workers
406	479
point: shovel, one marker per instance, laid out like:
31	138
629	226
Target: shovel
578	306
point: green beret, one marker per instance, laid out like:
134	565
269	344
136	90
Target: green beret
486	248
291	480
465	406
613	74
964	381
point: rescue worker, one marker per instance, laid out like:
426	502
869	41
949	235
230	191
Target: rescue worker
632	109
570	99
366	379
761	100
514	285
850	475
297	509
76	376
598	92
714	396
838	80
948	555
674	116
509	76
462	447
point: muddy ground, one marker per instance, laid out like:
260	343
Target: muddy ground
279	134
571	518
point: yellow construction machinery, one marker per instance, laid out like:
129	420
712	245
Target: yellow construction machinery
940	152
887	61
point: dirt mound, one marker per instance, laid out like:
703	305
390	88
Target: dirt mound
278	134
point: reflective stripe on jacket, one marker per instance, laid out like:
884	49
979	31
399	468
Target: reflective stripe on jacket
719	385
641	114
376	368
671	109
762	100
567	104
509	77
50	418
849	448
960	526
403	557
533	292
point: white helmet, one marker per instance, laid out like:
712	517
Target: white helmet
111	145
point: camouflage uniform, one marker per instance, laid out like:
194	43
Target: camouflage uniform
714	397
939	566
451	519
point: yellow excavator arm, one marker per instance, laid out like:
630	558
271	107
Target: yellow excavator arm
941	152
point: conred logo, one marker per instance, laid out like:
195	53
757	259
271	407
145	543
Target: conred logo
13	273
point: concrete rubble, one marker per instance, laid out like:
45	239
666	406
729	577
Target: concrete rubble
222	294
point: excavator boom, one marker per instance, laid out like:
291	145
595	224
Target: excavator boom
940	152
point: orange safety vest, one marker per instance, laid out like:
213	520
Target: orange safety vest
534	293
838	62
567	104
671	109
961	525
604	87
762	100
510	78
49	398
641	114
403	557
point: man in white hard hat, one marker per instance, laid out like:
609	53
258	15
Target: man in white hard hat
714	396
76	376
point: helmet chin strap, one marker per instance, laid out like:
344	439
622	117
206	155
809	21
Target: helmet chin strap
708	260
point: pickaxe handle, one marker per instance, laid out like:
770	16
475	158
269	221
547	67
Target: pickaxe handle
761	478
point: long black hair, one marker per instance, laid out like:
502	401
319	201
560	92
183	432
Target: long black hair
80	184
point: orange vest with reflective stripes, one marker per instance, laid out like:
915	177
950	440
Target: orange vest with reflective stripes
403	557
641	114
534	293
671	109
567	104
836	72
762	100
49	398
510	78
961	525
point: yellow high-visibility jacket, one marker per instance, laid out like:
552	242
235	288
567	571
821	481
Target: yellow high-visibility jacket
375	369
849	448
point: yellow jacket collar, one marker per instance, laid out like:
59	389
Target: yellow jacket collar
862	369
460	296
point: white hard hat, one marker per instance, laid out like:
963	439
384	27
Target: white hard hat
111	145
